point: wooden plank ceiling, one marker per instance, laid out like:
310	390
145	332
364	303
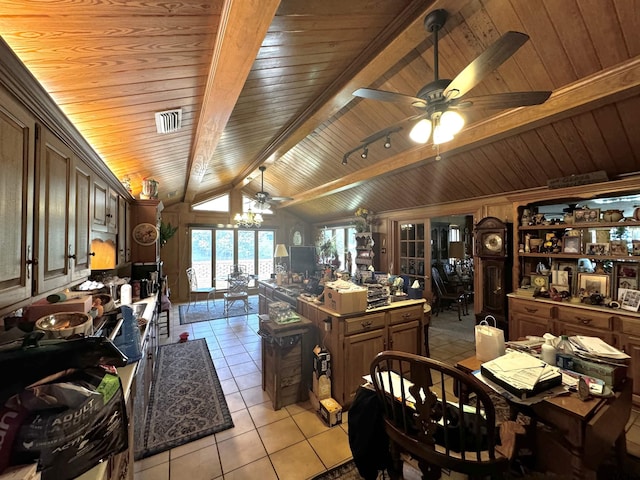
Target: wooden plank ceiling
268	82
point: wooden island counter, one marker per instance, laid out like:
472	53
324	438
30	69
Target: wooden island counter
354	339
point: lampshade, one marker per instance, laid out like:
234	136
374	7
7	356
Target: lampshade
421	131
444	127
456	250
281	251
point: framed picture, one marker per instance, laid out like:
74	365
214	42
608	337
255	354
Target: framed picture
591	214
631	300
618	247
627	283
590	283
635	244
621	293
560	277
597	249
571	244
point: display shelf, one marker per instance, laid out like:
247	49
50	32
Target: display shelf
364	252
595	247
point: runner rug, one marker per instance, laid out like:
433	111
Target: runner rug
199	312
186	401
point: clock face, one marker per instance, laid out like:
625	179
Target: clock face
493	242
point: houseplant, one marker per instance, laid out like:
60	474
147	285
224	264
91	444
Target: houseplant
166	232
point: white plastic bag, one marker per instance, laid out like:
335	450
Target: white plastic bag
489	340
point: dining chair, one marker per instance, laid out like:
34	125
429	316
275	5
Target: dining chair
426	420
448	297
238	291
195	291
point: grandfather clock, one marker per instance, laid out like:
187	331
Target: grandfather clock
494	260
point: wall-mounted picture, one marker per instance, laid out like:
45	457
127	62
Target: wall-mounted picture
597	249
618	247
571	244
631	300
590	283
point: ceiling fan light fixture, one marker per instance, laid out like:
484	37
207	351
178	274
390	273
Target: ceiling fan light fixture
441	135
421	131
452	122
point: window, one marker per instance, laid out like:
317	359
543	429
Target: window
213	260
218	204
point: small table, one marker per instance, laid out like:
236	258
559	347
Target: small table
580	433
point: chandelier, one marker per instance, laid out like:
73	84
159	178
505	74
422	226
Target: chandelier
248	219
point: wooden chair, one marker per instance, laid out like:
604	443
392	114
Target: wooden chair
413	416
195	291
445	296
238	291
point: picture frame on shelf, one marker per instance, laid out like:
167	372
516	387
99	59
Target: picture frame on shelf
627	283
618	247
631	300
621	293
597	249
560	277
570	244
590	283
635	247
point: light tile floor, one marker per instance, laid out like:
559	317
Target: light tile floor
289	444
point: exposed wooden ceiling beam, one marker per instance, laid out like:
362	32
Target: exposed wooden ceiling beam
406	32
233	55
614	84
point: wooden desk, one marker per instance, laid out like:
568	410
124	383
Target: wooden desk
578	434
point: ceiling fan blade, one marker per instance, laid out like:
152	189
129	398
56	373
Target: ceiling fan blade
384	96
502	100
494	56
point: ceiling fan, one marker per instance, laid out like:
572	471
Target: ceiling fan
263	200
442	97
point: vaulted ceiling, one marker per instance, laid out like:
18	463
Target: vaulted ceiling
267	82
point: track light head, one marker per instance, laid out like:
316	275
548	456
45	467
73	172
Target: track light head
387	142
365	152
344	159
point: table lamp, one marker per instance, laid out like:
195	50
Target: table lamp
279	253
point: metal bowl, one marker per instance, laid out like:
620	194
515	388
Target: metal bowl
65	324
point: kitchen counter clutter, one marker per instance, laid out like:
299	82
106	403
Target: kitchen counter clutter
127	396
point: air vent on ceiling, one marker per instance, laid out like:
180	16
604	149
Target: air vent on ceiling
169	121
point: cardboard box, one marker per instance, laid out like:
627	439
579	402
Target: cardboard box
42	308
345	301
330	412
322	387
321	362
612	375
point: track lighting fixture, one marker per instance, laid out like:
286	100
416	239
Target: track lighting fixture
364	145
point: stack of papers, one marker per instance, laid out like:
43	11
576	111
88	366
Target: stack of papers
596	348
521	373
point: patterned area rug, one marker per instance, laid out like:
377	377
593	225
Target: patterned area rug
345	471
187	401
199	313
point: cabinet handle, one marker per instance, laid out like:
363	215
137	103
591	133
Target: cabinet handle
391	344
73	256
406	315
584	321
366	324
92	254
531	310
384	344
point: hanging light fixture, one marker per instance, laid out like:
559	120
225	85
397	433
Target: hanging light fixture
365	152
248	219
387	142
443	124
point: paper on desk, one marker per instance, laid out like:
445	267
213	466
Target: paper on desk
552	392
394	385
598	347
520	369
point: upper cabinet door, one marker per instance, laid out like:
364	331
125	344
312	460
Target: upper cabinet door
100	221
82	183
56	213
17	157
